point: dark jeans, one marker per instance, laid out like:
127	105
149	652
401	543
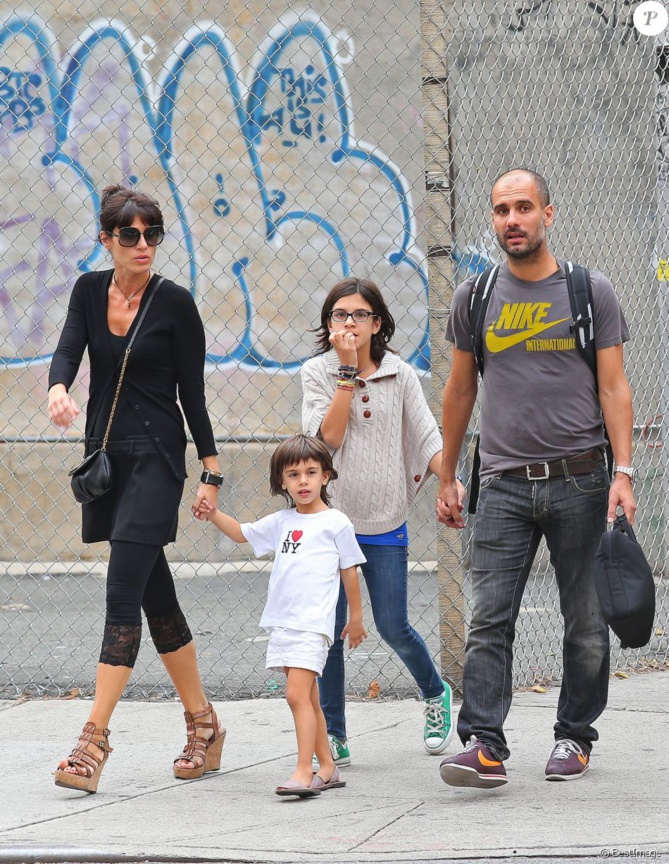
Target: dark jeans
386	575
513	514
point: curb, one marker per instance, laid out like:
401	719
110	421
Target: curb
76	855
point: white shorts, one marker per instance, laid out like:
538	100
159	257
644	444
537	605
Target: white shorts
296	648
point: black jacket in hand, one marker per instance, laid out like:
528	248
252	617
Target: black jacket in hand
166	361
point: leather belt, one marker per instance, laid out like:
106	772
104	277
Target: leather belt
584	463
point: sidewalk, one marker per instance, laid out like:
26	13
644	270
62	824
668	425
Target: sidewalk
394	808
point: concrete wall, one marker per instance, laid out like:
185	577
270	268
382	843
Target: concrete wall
566	89
41	521
263	216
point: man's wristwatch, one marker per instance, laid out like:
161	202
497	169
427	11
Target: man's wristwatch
624	469
213	478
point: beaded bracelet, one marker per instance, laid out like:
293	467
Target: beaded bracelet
344	368
347	373
344	384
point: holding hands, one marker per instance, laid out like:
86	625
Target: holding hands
204	507
450	504
206	510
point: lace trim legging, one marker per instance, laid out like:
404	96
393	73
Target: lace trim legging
139	578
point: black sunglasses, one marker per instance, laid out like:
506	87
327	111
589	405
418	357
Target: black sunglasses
154	236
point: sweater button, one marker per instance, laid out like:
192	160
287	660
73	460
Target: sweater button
417	478
367	413
157	440
361	383
136	407
365	398
146	422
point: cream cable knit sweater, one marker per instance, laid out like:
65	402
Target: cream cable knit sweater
383	460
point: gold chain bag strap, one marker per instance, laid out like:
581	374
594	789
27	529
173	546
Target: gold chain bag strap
92	478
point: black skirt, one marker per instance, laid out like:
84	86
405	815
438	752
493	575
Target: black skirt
143	504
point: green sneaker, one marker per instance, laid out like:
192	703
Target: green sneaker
438	729
340	753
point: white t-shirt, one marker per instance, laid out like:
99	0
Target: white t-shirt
310	549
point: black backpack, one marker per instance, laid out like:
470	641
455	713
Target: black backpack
579	286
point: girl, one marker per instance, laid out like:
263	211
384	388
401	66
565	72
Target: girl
367	405
313	545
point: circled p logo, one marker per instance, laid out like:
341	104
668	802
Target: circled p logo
650	18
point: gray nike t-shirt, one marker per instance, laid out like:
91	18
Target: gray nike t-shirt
538	397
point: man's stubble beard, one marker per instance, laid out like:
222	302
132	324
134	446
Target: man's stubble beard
529	252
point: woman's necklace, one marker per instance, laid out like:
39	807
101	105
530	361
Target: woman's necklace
129	299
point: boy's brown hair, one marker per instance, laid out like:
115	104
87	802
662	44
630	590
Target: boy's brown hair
292	451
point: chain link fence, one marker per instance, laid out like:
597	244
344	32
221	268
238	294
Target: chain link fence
291	145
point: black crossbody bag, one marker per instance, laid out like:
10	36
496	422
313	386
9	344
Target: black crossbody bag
92	478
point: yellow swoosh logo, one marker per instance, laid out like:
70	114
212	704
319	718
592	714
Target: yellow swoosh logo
495	343
487	762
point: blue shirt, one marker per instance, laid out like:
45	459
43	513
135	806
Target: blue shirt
397	537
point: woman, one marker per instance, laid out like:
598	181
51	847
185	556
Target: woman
367	405
147	446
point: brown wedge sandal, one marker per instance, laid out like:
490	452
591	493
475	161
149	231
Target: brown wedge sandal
82	757
199	749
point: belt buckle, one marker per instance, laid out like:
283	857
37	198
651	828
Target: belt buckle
544	476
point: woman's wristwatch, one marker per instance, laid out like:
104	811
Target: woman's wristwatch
212	478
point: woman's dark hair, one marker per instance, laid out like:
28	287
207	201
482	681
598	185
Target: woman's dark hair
291	452
372	294
119	207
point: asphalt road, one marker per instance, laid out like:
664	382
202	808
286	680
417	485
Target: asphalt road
51	624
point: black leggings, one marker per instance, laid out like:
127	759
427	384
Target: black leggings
139	577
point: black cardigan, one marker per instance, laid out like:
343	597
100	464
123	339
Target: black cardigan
166	359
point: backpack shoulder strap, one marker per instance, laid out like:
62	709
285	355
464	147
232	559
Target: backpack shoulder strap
479	297
579	285
582	311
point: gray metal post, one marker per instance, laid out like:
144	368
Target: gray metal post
439	226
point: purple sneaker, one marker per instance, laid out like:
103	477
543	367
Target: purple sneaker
568	761
475	766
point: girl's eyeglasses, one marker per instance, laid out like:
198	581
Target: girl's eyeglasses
154	236
341	316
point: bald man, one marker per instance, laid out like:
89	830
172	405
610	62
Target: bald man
543	473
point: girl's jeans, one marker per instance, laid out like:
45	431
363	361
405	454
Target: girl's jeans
513	514
386	575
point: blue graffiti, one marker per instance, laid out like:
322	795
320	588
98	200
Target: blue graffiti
301	116
470	262
221	204
297	118
20	104
245	352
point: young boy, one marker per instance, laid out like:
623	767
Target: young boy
314	548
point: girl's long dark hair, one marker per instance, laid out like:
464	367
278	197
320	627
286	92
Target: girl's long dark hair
372	294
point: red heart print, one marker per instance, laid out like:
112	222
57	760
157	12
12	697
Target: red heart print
296	536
